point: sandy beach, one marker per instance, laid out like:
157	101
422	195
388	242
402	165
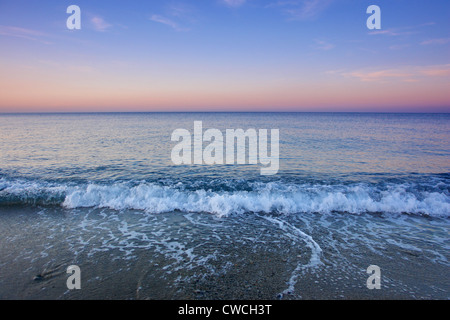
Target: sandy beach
131	255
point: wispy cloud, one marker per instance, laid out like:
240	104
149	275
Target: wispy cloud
436	71
234	3
29	34
100	24
301	9
176	16
323	45
381	75
402	31
399	46
440	41
167	22
404	74
391	32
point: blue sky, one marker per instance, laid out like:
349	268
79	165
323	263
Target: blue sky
305	55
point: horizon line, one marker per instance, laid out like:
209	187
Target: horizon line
137	112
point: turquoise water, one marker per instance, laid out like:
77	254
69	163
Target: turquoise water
352	190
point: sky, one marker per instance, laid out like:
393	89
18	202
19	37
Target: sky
225	55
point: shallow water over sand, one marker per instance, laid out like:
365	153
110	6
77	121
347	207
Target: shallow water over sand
134	255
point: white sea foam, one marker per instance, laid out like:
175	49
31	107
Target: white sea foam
273	197
316	251
265	199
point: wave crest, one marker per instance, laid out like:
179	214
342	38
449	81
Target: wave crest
264	197
272	197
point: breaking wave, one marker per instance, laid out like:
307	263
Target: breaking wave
235	197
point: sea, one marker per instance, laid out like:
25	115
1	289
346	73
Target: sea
100	191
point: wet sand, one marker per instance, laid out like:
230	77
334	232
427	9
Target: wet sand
195	256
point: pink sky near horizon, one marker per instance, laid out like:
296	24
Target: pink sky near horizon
245	59
47	86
